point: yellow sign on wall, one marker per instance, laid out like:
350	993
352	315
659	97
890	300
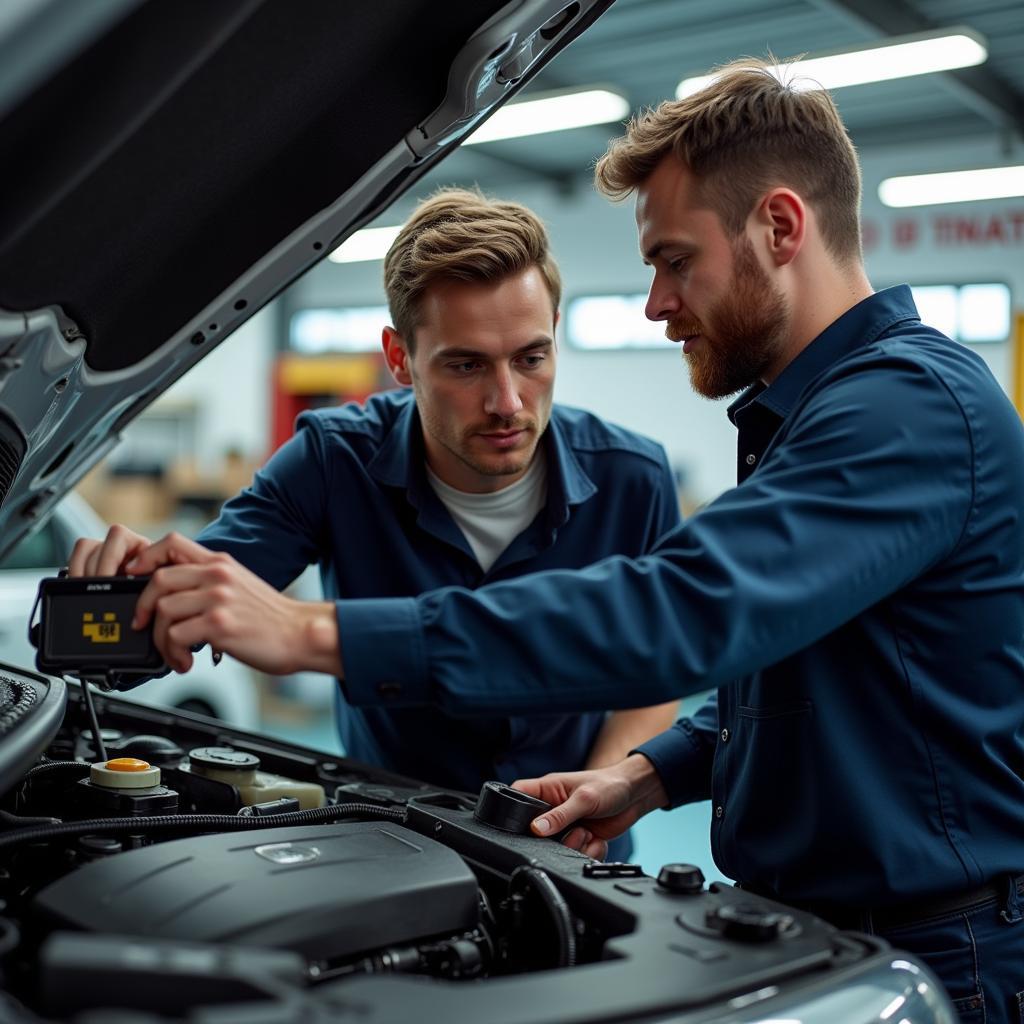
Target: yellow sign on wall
1018	363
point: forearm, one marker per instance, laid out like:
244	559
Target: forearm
623	731
647	788
317	633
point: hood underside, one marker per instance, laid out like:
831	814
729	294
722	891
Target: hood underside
185	164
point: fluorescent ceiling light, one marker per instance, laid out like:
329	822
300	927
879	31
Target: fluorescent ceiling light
902	57
543	113
367	244
552	113
953	186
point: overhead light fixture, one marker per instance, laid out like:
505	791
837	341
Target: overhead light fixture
902	57
366	244
552	112
953	186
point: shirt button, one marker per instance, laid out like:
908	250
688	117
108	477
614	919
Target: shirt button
751	459
719	811
725	735
389	690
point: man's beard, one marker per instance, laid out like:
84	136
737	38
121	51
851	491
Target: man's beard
744	331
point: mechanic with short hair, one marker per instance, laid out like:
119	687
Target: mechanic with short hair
470	475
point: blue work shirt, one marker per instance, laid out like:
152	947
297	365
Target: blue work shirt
350	493
858	598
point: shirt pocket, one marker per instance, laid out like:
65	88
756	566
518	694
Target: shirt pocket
776	738
765	785
783	710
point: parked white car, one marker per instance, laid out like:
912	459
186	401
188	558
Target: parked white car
226	691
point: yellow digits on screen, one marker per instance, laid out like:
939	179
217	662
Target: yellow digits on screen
106	632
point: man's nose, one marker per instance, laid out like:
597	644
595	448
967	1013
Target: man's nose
503	396
662	302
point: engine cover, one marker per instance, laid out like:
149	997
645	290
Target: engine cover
324	891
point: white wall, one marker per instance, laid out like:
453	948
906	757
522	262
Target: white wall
595	243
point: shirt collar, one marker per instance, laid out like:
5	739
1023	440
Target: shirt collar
568	483
401	462
860	325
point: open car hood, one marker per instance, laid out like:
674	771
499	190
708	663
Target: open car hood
385	901
170	167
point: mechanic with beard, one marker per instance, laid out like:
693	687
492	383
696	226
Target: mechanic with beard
858	598
467	476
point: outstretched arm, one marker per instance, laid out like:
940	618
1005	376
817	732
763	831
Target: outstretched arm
198	596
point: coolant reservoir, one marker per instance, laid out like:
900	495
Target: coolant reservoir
124	773
241	770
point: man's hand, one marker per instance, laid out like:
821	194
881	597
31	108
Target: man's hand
106	557
605	802
199	596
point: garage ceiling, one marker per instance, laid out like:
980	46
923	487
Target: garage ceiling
644	47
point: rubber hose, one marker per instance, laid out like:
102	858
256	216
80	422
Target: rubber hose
557	908
199	823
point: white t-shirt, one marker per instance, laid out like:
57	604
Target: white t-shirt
490	522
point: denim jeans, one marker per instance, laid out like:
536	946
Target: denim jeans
977	954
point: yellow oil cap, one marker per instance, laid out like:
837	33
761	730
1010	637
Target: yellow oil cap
124	773
127	764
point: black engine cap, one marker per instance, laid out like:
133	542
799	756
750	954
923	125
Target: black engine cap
508	809
225	759
687	879
749	922
156	750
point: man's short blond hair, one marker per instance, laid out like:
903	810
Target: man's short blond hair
462	235
742	135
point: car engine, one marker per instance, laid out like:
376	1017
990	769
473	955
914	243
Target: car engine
188	871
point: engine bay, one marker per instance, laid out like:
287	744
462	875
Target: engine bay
188	871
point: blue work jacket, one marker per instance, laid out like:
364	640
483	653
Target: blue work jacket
349	492
858	599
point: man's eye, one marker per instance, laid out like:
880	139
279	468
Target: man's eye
679	263
464	367
531	362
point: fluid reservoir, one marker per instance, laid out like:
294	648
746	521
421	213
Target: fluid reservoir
241	770
122	786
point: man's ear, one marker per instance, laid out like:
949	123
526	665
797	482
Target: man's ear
782	218
396	354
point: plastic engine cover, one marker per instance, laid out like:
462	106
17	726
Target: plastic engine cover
324	890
